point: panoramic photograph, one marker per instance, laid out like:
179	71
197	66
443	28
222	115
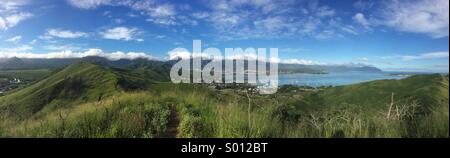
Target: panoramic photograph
224	69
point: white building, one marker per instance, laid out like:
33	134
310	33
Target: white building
16	80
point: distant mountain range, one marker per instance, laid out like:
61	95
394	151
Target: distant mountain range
23	63
298	68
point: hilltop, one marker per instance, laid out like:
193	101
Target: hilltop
76	83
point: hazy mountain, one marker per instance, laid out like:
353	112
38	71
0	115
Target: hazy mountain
25	63
11	62
17	63
312	69
346	68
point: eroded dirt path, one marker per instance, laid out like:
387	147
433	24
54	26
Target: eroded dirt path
172	126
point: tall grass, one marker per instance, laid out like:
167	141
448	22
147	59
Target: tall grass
130	115
206	113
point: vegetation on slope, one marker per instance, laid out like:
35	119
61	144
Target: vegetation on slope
77	83
427	90
413	107
419	108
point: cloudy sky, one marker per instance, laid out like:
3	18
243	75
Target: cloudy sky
407	35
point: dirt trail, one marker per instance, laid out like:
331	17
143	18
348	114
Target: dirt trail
172	126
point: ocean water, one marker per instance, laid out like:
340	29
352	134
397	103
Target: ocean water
333	79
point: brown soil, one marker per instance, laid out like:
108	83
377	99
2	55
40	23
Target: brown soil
172	126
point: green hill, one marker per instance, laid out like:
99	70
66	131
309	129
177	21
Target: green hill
77	83
426	90
413	107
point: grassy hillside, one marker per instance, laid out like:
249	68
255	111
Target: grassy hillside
87	100
77	83
426	90
413	107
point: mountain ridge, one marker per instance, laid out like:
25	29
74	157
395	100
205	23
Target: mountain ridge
76	83
9	64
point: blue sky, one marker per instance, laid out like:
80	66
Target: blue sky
395	35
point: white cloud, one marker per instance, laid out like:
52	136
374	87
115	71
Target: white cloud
63	34
33	42
361	20
327	34
271	23
162	21
292	50
325	11
70	54
349	29
429	17
53	47
129	55
10	5
242	56
239	19
363	59
160	36
118	21
88	4
432	55
163	10
11	13
122	33
158	12
175	54
185	54
45	37
363	4
200	15
14	39
300	61
151	8
268	19
10	20
22	48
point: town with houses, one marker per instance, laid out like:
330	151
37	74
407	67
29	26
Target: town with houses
9	84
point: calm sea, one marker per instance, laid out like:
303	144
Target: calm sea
333	79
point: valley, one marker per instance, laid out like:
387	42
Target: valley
92	98
13	79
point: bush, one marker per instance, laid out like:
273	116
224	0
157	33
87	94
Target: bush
156	118
193	123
